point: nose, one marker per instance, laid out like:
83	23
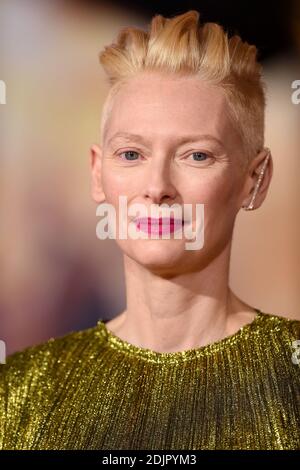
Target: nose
158	186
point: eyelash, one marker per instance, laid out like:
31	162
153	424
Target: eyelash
134	151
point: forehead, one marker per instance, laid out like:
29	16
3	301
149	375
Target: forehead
155	104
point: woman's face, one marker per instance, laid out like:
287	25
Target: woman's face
185	150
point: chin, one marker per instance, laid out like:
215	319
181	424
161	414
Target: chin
157	255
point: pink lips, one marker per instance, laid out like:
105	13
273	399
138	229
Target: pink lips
158	226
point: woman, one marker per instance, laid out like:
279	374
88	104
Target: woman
187	364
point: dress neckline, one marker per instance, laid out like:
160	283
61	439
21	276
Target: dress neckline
178	356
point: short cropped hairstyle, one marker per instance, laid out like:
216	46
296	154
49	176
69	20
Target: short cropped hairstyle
183	47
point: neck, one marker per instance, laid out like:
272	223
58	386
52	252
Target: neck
181	312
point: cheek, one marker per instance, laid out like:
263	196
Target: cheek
216	192
115	185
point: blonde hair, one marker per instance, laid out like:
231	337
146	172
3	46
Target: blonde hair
181	46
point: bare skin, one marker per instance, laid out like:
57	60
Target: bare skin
177	299
241	314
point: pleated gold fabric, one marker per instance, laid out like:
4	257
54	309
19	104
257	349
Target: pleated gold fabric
93	390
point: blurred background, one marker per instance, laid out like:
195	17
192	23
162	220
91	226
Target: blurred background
56	276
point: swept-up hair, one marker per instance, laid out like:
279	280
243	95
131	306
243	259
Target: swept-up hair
182	46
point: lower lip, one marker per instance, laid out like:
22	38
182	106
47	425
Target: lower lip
158	226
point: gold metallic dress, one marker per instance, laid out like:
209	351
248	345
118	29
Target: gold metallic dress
93	390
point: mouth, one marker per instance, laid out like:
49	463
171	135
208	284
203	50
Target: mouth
158	225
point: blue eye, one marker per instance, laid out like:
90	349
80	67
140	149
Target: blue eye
200	156
132	153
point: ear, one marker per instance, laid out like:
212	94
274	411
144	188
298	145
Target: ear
253	175
96	173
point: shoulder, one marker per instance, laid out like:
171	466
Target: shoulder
33	379
284	328
50	361
280	337
51	347
281	324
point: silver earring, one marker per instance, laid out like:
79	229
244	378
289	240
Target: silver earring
258	183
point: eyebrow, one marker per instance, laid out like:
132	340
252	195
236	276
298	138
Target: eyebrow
182	140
